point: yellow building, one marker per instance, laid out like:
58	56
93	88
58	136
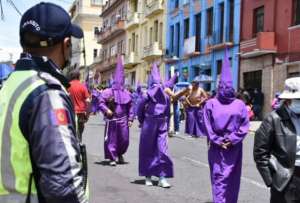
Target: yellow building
145	34
85	13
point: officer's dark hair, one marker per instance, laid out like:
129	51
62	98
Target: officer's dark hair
30	42
75	75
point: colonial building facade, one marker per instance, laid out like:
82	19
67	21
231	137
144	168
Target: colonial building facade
198	31
270	51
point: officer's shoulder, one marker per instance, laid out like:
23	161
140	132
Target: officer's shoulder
50	81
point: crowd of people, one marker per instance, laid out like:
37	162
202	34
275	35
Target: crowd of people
43	115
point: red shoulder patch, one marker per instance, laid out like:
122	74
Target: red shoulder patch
61	116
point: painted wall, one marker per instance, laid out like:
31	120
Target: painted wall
206	61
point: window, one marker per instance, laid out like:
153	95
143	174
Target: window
231	20
95	53
221	32
209	21
151	36
113	50
156	30
161	27
96	32
296	14
129	46
121	47
96	2
176	4
252	80
136	44
172	39
258	25
198	31
133	42
186	28
178	39
146	36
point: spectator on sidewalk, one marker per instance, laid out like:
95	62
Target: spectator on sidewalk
81	99
258	102
277	147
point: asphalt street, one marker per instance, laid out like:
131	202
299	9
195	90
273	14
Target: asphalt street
191	183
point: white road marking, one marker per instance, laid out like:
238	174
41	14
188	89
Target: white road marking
248	180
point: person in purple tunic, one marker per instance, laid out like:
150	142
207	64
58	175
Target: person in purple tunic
95	100
116	105
153	114
227	124
193	103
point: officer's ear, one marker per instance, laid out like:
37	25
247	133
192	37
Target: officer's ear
67	46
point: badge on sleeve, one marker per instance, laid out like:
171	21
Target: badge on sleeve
60	117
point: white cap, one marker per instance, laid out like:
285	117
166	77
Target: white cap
291	89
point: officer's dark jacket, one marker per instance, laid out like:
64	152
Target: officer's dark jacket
275	149
54	148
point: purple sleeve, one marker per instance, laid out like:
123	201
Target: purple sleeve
102	101
238	136
131	111
208	120
141	104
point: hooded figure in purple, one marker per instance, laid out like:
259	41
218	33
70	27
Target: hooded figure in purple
136	96
153	114
227	124
116	105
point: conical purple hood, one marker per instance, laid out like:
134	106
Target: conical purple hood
155	75
119	76
171	82
226	77
226	92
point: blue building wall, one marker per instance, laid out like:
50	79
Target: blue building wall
206	63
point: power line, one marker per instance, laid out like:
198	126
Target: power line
1	10
14	6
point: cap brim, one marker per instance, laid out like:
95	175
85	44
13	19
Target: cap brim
76	31
289	95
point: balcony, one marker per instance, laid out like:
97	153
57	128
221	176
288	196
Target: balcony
263	44
152	51
190	47
220	41
110	4
131	60
153	8
108	63
110	32
133	21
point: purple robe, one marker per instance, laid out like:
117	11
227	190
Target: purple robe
225	122
153	114
116	139
95	101
194	124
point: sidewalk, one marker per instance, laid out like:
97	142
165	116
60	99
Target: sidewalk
254	125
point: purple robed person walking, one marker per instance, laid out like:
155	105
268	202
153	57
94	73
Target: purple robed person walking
116	105
227	124
153	114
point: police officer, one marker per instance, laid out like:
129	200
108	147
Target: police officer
40	154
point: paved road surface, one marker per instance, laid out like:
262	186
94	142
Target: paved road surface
191	184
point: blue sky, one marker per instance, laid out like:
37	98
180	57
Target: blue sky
9	27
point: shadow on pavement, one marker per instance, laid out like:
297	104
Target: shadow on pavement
142	182
106	163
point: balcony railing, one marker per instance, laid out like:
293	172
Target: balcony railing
110	32
264	43
220	39
132	21
152	51
108	63
153	8
109	4
131	59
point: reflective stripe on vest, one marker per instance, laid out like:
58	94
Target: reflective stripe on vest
15	163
